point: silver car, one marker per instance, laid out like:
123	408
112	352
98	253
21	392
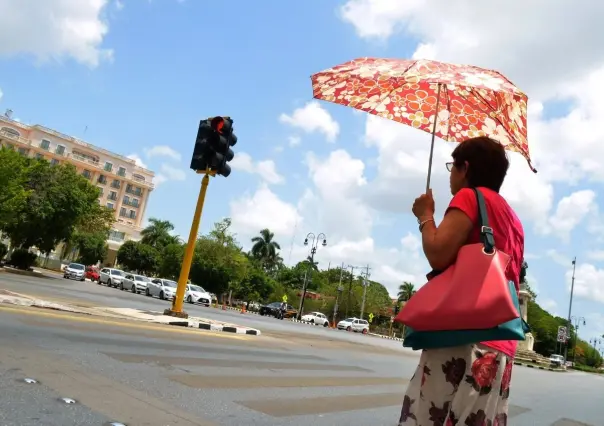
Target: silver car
162	288
111	277
135	283
75	271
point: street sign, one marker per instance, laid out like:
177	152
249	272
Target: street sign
370	317
284	298
391	319
561	334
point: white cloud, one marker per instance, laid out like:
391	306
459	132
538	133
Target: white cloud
559	258
55	30
570	212
294	141
589	282
139	162
119	5
266	169
172	173
163	151
263	209
549	305
313	118
597	255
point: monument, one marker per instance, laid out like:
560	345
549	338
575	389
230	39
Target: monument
525	297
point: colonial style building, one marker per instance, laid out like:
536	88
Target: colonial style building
125	187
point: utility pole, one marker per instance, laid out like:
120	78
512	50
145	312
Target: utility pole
352	268
335	306
570	307
365	285
313	249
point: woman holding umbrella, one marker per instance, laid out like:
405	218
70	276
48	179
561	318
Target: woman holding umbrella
470	384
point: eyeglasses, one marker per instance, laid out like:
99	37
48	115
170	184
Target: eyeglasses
449	166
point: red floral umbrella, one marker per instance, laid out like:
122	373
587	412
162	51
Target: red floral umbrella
453	102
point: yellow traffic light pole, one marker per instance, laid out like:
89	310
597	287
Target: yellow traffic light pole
177	303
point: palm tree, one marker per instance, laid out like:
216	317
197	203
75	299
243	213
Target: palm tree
157	233
264	248
309	263
405	291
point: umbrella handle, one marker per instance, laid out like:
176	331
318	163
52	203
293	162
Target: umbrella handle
433	137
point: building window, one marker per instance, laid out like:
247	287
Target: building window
60	150
113	195
116	235
11	132
39	156
101	191
126	199
116	184
134	190
102	179
138	177
121	171
132	214
108	166
134	202
123	212
45	145
54	162
23	151
110	206
87	174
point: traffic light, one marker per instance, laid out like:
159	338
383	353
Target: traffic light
397	309
213	145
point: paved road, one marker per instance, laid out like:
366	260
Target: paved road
147	374
91	294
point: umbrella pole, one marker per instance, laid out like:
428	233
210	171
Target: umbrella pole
433	137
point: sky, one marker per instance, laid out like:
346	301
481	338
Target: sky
136	76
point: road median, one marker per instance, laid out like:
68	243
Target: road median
11	298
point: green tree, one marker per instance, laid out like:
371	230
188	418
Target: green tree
405	291
266	249
92	248
157	233
13	188
170	261
139	257
57	199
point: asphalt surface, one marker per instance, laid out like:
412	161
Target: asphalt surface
147	374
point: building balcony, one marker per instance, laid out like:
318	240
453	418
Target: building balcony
14	138
143	182
84	160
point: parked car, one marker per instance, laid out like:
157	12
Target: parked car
557	360
162	288
135	283
354	324
92	273
74	271
111	277
316	318
196	294
273	309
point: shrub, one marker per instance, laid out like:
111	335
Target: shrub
23	259
3	250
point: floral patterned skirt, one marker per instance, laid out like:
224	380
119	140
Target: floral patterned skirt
465	386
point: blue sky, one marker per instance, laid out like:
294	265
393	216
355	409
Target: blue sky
159	66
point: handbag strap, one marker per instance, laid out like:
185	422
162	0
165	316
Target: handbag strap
486	232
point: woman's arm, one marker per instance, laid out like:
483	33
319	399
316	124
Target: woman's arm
442	244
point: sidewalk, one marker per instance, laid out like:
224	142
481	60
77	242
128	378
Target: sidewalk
12	298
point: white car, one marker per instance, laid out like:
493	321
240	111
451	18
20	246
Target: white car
162	288
135	283
74	271
557	360
354	324
316	318
111	277
196	294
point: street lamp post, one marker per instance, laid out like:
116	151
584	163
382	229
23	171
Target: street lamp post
570	306
313	249
577	322
340	288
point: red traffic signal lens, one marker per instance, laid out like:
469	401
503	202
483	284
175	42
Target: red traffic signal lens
217	124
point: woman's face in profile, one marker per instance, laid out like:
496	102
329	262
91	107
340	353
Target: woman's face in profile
457	179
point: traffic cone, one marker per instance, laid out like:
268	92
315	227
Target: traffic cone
243	309
223	306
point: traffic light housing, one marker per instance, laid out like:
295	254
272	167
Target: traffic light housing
213	144
397	309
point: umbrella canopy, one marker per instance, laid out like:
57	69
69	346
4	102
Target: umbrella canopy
453	102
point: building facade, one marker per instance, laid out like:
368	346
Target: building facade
125	187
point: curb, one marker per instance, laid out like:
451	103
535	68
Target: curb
238	310
215	327
539	367
398	339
